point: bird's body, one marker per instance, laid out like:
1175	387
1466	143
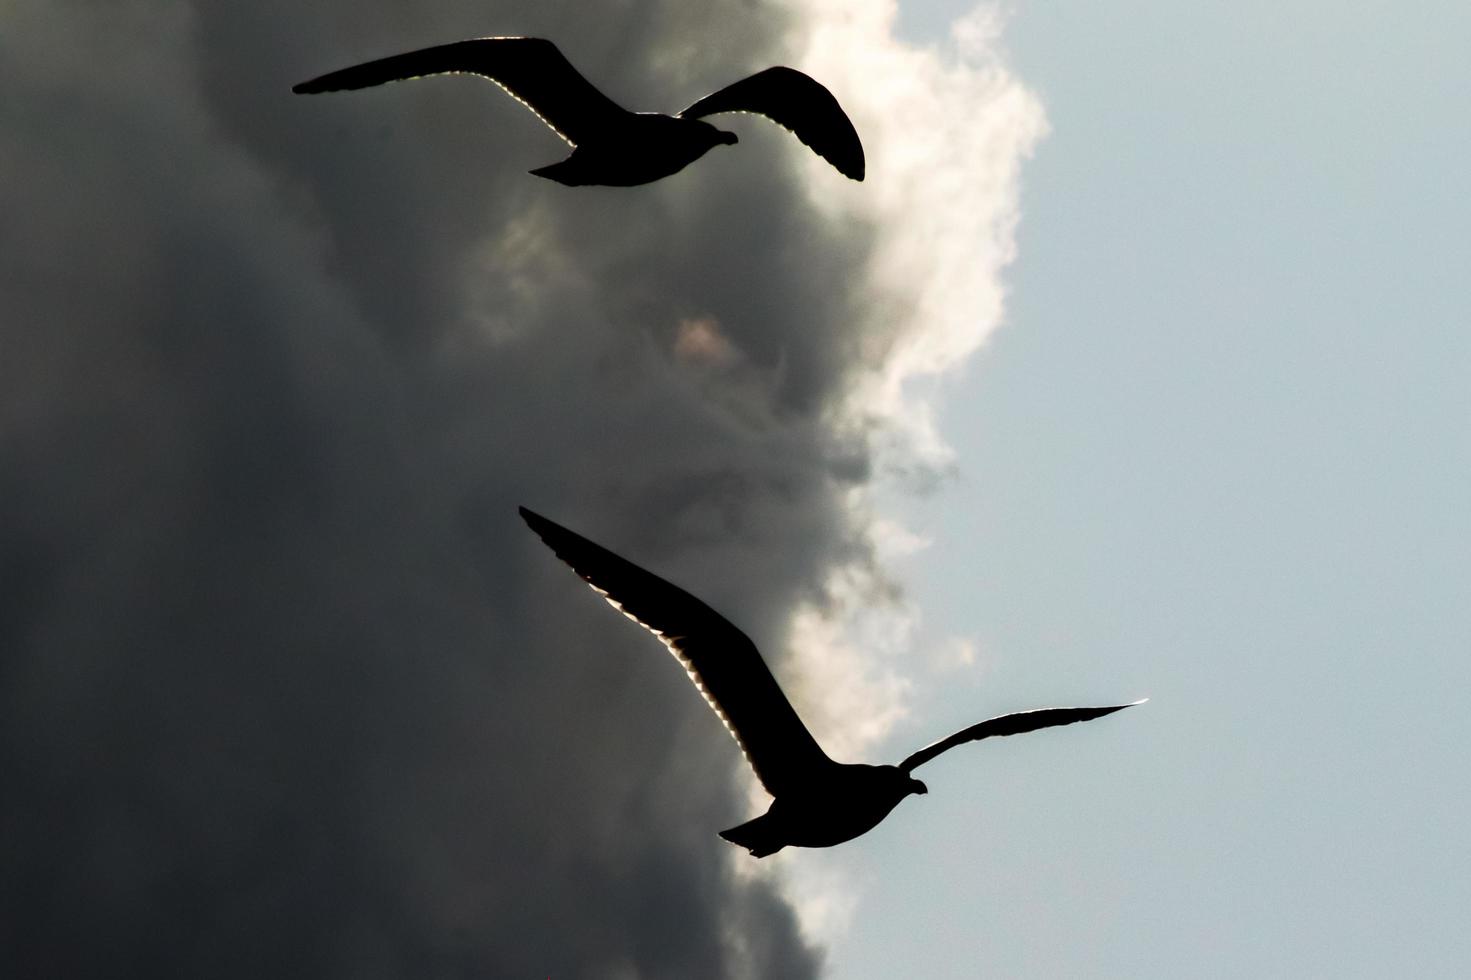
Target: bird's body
667	145
839	803
614	146
816	802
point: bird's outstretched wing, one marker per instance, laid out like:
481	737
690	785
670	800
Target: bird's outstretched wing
798	102
1013	724
530	68
721	660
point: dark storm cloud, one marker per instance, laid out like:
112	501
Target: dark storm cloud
285	687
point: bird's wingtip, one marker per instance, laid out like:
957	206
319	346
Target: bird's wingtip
542	527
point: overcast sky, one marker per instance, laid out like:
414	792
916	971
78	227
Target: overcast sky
288	688
1136	367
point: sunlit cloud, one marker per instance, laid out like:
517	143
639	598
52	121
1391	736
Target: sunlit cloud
948	128
698	341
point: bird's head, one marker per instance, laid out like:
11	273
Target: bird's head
707	137
900	784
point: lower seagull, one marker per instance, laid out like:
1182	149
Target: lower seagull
816	802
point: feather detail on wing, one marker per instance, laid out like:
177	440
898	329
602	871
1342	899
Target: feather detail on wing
530	68
1013	724
721	660
798	102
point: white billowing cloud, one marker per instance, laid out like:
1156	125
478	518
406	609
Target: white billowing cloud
946	129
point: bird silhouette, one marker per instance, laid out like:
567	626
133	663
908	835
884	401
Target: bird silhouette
612	145
816	802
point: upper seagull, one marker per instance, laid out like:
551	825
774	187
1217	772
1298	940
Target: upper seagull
612	145
816	802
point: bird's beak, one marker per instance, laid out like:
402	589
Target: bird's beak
729	139
918	786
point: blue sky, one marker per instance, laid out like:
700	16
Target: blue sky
1219	454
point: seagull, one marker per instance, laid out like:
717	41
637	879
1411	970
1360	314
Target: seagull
611	145
816	802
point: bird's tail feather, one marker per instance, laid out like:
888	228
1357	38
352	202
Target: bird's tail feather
561	172
758	836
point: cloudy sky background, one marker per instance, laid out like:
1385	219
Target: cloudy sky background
286	685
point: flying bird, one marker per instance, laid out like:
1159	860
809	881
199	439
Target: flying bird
610	144
816	802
